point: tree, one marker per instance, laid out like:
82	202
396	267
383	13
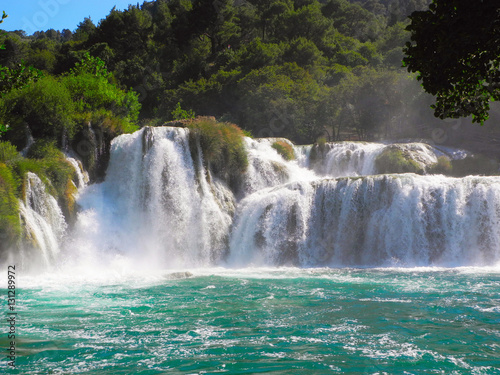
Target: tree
4	16
455	49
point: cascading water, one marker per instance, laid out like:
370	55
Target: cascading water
159	204
382	220
110	301
345	159
156	203
267	168
43	219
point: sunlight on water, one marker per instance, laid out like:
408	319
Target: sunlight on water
271	320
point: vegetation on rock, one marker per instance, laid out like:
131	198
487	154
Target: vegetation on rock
284	149
394	160
222	146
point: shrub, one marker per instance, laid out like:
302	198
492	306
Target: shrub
222	145
393	160
181	114
8	152
321	142
284	149
94	93
45	107
44	148
55	173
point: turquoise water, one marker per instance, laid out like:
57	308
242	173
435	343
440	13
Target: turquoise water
261	321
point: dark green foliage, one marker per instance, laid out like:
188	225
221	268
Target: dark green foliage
284	149
393	160
274	67
455	49
43	148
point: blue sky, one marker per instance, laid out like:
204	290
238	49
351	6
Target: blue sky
35	15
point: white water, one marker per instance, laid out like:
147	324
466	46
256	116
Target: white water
43	219
266	168
155	205
405	220
344	159
160	208
82	175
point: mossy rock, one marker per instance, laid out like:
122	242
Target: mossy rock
285	149
394	160
443	166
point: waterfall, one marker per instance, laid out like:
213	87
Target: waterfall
267	168
82	175
43	219
381	220
158	202
347	159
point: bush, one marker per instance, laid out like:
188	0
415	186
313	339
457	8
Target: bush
321	142
222	145
8	152
45	107
93	93
284	149
55	173
393	160
44	148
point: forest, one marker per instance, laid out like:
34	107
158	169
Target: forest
299	69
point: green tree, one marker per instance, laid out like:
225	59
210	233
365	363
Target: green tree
181	114
4	16
455	48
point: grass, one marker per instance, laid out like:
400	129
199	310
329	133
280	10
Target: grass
222	145
284	149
